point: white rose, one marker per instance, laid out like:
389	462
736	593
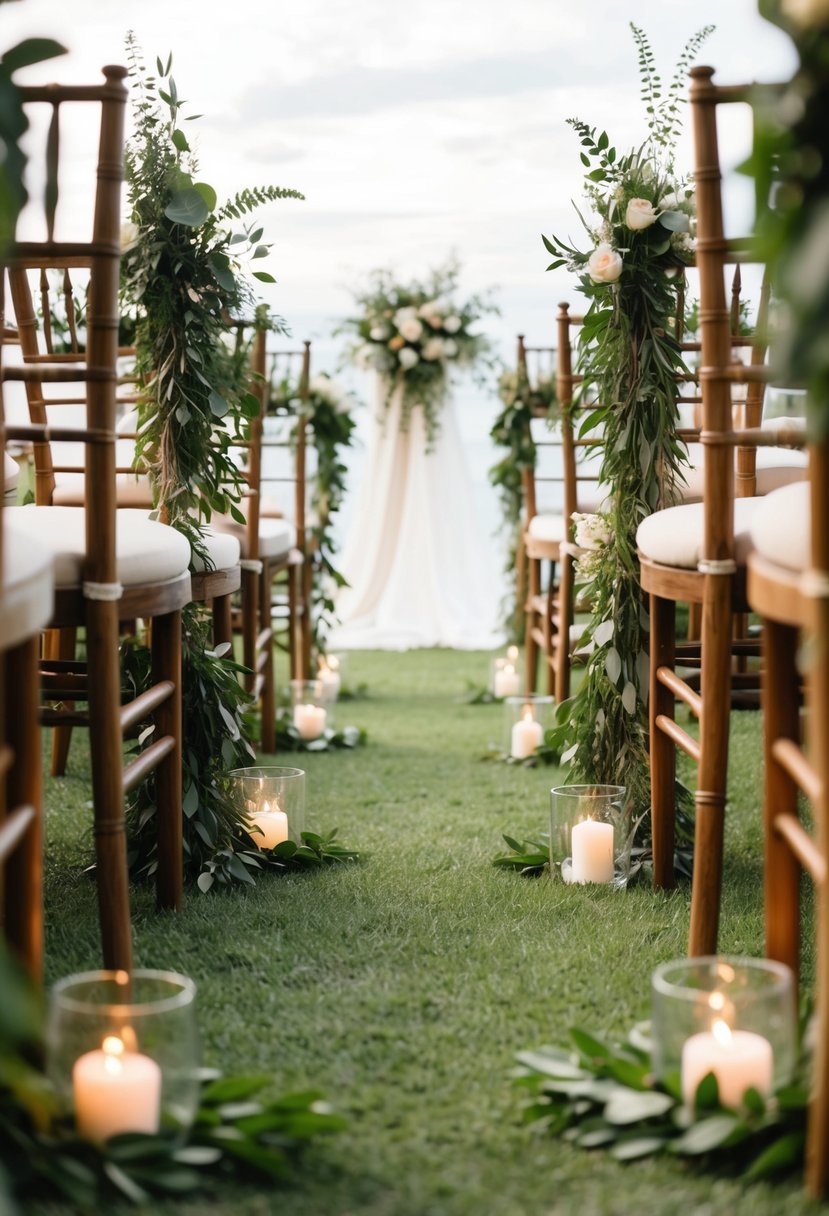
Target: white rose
806	13
604	264
639	214
452	324
450	348
592	531
433	349
669	203
408	358
129	235
379	333
403	315
411	329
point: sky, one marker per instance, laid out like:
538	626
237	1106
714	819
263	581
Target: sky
416	130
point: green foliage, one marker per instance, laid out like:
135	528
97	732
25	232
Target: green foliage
288	738
790	166
413	333
182	276
330	427
217	731
528	857
312	852
13	126
630	359
521	401
606	1096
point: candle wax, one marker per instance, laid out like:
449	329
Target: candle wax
591	843
115	1092
740	1060
309	721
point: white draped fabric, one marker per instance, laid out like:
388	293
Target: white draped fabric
420	569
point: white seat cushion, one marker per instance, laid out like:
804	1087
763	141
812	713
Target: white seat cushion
276	536
146	551
548	528
223	549
27	600
674	537
781	527
776	467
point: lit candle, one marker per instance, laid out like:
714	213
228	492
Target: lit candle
506	682
329	677
527	735
272	823
309	721
591	843
739	1059
512	654
116	1091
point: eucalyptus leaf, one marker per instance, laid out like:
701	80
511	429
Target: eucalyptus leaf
187	207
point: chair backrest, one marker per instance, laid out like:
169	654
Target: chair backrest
284	435
94	366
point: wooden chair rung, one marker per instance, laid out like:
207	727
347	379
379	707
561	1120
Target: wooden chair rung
802	845
680	737
13	829
139	769
681	690
63	717
140	709
790	758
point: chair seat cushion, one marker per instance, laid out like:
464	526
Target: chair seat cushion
223	550
547	528
781	527
276	536
146	551
28	586
776	467
674	537
131	490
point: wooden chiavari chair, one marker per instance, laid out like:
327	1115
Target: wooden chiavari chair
109	566
26	602
696	553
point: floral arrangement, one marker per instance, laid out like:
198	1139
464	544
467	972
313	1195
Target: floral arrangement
640	226
412	333
522	401
329	412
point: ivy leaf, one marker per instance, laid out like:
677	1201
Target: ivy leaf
705	1136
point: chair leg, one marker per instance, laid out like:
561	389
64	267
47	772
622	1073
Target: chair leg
711	786
222	610
63	647
293	608
530	644
307	576
565	620
550	629
781	720
107	783
662	749
250	609
268	697
166	661
23	882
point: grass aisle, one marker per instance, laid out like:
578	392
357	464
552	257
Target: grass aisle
403	986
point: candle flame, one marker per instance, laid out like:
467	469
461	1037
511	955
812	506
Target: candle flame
721	1032
113	1049
333	663
512	653
717	1001
527	714
509	669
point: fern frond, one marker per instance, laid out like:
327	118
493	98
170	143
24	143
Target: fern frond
249	199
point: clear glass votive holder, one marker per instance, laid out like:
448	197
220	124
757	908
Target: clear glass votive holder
311	709
591	834
273	801
330	670
504	675
526	722
735	1017
123	1052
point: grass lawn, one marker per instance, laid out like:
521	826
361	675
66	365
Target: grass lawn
403	986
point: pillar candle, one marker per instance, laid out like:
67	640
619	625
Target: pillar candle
309	721
739	1059
116	1091
330	679
591	843
272	823
527	735
506	683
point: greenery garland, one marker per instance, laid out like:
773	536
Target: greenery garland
182	277
511	430
236	1132
413	333
602	1096
330	421
630	358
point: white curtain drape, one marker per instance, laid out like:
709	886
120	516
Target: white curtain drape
420	570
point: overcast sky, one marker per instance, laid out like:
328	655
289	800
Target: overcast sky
414	128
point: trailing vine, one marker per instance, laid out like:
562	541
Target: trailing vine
511	430
330	422
183	274
630	359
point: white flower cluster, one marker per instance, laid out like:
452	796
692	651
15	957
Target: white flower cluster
410	334
592	531
605	263
333	394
